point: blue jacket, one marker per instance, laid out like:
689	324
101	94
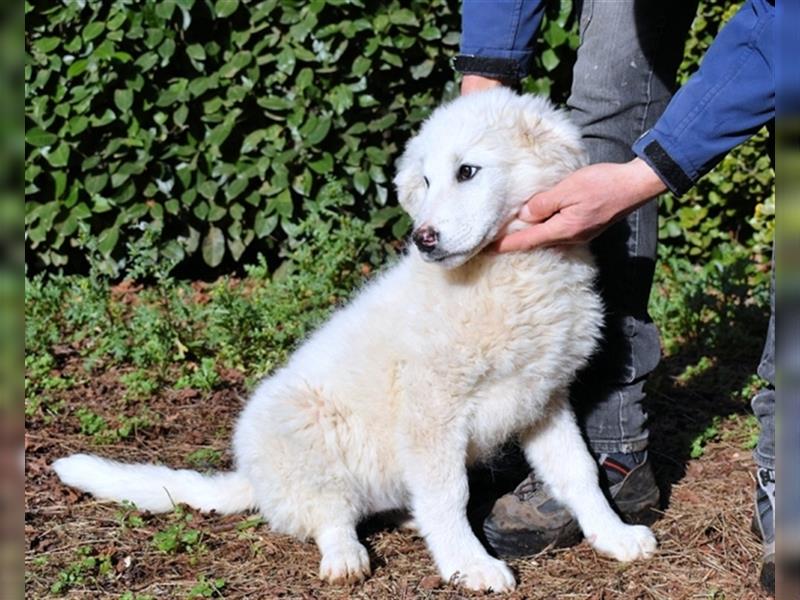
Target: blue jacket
728	99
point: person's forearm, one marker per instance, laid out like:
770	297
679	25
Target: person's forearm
731	97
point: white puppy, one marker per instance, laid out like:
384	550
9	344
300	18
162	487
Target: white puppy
445	356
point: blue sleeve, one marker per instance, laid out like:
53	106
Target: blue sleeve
501	31
728	99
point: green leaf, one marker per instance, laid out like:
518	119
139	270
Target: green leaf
92	30
116	21
422	70
208	189
323	165
360	66
60	156
146	61
225	8
46	44
196	52
180	114
282	204
286	60
237	248
78	124
252	140
123	99
377	156
60	183
38	137
165	8
361	181
107	240
239	61
220	133
319	132
555	35
77	67
95	184
403	16
264	225
305	78
430	32
549	59
213	247
341	98
274	103
236	187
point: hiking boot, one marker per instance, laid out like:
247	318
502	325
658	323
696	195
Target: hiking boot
763	525
528	520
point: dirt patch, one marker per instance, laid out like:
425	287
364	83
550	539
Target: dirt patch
80	548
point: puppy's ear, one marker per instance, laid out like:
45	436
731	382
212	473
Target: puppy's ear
549	134
409	179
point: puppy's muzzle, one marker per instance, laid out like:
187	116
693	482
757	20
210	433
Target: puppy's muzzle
426	238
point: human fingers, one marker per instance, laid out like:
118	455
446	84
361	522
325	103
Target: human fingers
540	207
548	233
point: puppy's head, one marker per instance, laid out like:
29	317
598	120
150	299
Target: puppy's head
474	162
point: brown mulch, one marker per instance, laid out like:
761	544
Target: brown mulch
706	548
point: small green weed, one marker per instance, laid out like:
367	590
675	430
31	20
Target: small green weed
98	428
703	365
178	537
740	429
201	377
207	588
710	434
139	385
743	430
204	458
88	568
131	596
91	423
128	516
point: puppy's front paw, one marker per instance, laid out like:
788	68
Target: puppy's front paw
625	542
346	564
487	574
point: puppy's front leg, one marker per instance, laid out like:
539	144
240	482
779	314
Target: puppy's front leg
434	462
555	449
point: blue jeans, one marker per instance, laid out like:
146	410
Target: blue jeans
622	81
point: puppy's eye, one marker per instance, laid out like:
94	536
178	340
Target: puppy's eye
466	172
427	183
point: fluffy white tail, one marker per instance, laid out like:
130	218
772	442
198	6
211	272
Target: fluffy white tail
156	488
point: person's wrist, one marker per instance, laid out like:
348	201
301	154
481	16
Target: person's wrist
644	180
477	83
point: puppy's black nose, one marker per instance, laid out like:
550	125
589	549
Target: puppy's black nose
426	238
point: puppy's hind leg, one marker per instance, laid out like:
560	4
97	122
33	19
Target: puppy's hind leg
555	449
344	558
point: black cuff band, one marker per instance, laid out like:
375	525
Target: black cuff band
502	69
670	171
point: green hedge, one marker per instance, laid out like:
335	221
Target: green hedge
192	128
205	130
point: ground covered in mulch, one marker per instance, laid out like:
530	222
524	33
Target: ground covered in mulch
78	547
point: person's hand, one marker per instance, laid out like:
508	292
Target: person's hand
583	204
477	83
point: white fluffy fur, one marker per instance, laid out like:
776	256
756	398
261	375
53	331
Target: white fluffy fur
431	367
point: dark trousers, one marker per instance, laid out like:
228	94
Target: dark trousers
622	81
